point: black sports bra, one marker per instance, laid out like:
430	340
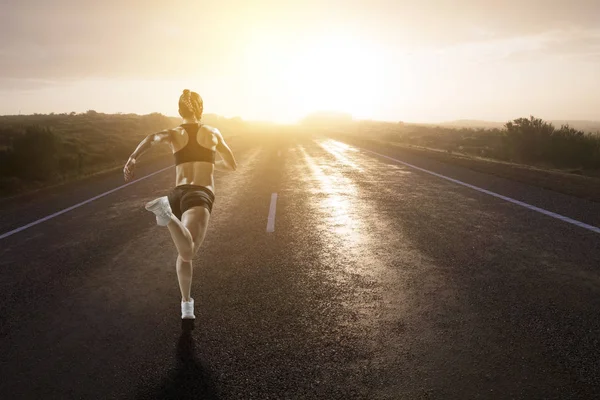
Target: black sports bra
193	151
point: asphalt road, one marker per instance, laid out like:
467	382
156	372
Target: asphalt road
380	281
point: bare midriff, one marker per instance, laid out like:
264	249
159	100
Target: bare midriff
200	173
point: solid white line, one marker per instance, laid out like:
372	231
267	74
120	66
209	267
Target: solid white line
529	206
39	221
271	219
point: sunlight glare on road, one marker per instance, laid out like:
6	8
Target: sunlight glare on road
337	205
333	147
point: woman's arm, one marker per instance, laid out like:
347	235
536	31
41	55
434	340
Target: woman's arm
222	166
228	162
147	143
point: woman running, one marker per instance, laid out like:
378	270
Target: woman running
186	209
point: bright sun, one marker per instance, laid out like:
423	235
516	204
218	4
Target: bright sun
336	73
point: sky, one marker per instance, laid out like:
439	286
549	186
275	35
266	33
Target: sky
392	60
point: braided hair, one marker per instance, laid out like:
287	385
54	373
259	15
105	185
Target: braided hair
190	105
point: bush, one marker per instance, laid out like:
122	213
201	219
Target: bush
35	154
525	139
534	141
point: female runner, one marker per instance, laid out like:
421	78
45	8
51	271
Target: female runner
186	210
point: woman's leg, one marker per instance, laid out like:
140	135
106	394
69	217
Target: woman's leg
184	242
184	276
195	222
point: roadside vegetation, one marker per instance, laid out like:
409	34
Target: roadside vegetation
40	150
528	141
527	150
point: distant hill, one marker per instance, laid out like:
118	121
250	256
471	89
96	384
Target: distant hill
327	117
471	123
587	126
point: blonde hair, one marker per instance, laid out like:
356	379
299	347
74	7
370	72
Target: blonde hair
190	104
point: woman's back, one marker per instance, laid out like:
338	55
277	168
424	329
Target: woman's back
194	150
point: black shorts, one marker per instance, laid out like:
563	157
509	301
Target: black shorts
184	197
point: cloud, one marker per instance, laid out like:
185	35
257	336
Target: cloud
68	39
576	45
76	40
25	85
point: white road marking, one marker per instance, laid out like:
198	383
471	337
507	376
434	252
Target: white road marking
39	221
271	219
520	203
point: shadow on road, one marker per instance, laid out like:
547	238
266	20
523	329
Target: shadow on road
188	380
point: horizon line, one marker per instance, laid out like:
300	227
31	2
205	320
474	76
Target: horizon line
316	113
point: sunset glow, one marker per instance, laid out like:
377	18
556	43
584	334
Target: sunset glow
264	60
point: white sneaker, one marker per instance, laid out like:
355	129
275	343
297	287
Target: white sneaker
162	209
187	309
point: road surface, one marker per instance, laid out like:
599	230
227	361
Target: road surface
378	281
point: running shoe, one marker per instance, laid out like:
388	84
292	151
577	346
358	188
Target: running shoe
162	209
187	309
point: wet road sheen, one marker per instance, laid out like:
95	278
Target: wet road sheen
378	282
